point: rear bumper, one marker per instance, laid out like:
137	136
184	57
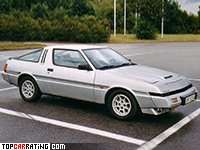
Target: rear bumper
5	77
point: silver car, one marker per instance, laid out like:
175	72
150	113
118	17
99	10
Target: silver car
101	75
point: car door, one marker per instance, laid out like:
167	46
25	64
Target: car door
64	77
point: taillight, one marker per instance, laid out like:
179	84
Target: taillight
5	67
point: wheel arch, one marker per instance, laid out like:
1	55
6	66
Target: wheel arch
25	75
119	88
35	93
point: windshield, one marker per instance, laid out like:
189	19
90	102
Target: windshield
106	58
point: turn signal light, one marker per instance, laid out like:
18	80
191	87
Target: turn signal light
174	100
5	67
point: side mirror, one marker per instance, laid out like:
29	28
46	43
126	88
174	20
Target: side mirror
84	67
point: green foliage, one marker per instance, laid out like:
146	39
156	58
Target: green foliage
5	6
145	30
51	20
59	13
89	20
19	27
177	21
39	11
15	27
151	10
80	8
199	20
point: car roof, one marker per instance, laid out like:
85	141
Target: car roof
75	46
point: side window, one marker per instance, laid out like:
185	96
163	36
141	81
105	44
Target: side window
34	56
69	58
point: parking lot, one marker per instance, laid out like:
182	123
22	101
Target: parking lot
61	120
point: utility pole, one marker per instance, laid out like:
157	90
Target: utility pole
136	15
124	18
162	24
114	18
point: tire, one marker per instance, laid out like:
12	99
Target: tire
122	105
29	89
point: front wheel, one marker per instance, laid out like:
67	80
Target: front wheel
122	105
29	89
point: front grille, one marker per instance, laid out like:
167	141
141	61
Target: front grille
172	92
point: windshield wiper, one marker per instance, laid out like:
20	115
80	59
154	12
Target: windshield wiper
124	64
115	66
107	67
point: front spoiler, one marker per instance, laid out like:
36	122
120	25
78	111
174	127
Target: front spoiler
155	111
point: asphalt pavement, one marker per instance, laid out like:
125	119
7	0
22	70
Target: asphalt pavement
61	120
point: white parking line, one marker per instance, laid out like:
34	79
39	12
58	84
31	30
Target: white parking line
163	136
144	53
6	89
194	79
144	144
74	127
136	54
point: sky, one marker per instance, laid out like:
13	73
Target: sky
191	6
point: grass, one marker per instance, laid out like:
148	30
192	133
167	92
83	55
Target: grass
131	38
19	45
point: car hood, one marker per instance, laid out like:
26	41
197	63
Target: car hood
148	74
135	76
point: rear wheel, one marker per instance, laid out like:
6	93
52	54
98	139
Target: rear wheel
29	89
122	105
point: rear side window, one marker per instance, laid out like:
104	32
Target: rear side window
33	56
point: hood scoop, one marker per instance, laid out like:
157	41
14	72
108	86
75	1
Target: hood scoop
167	77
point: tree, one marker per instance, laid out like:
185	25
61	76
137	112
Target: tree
5	6
39	11
102	8
199	19
145	29
59	13
150	10
19	4
52	4
199	13
80	8
173	18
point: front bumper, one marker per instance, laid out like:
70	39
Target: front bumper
165	104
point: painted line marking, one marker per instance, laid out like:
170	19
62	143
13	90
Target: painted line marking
136	54
144	53
164	135
6	89
1	72
75	127
194	79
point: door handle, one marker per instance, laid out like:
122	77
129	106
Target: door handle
50	69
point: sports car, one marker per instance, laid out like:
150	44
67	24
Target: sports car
101	75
